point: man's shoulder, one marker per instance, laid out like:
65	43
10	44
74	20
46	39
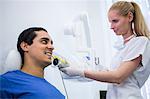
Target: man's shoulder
6	78
8	74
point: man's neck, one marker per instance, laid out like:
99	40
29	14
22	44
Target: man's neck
33	70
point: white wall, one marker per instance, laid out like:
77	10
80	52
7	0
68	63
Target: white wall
0	39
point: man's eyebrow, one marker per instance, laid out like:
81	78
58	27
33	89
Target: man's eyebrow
45	38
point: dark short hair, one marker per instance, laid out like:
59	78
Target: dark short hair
27	36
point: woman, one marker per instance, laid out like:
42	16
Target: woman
130	67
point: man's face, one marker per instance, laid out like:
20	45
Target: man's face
119	24
40	51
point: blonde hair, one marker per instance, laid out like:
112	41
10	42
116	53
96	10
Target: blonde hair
124	7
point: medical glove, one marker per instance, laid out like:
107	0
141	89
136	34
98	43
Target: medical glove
72	71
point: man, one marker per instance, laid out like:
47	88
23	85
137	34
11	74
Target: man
35	47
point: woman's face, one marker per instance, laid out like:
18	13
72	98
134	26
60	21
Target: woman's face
121	25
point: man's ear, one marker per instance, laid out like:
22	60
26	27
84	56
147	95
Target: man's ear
130	16
24	46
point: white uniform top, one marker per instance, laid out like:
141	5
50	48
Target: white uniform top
130	88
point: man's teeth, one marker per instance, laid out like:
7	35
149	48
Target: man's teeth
48	53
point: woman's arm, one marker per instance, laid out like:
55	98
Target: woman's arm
115	76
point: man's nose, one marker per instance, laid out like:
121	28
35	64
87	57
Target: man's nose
50	46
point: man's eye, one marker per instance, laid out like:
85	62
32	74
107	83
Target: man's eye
44	41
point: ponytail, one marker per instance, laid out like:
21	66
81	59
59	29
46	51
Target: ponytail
140	26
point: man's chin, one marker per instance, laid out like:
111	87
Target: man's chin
47	64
